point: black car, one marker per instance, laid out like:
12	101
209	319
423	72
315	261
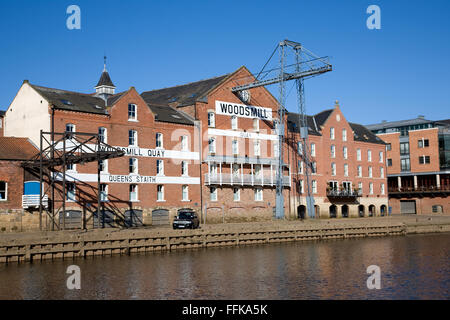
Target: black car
186	219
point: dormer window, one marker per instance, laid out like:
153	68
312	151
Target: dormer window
132	112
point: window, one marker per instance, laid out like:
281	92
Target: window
333	185
382	188
213	194
132	137
370	172
404	148
257	148
424	143
333	169
234	122
360	187
160	193
424	159
103	164
313	149
314	167
346	170
275	149
185	193
358	154
380	156
212	145
133	192
257	169
235	147
314	186
184	168
300	186
370	188
70	191
236	194
258	194
405	164
332	133
102	134
103	192
3	191
381	172
235	170
71	167
133	165
333	151
159	167
70	128
184	143
345	152
369	155
300	166
159	140
388	147
213	169
359	171
256	124
300	148
344	135
389	162
132	112
211	119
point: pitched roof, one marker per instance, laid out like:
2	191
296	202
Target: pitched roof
105	80
361	133
294	123
169	114
74	101
12	148
393	124
183	95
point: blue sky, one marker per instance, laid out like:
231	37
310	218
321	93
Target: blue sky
398	72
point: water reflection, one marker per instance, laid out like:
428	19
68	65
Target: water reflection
412	267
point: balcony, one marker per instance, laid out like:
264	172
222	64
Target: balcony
32	201
244	179
341	194
429	191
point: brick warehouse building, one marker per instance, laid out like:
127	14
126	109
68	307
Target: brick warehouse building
418	159
201	146
349	167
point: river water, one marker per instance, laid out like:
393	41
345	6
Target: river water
412	267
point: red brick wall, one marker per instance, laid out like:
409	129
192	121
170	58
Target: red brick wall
432	150
12	174
117	126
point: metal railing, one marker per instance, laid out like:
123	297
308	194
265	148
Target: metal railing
32	200
420	189
244	179
344	193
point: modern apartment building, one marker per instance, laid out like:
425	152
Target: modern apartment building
418	164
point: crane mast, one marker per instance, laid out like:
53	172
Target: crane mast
306	65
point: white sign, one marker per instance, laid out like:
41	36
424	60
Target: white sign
131	178
243	111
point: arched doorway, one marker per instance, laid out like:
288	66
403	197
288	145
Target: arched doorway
344	211
333	211
301	210
383	210
361	210
371	210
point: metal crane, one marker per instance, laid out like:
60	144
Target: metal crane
306	65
